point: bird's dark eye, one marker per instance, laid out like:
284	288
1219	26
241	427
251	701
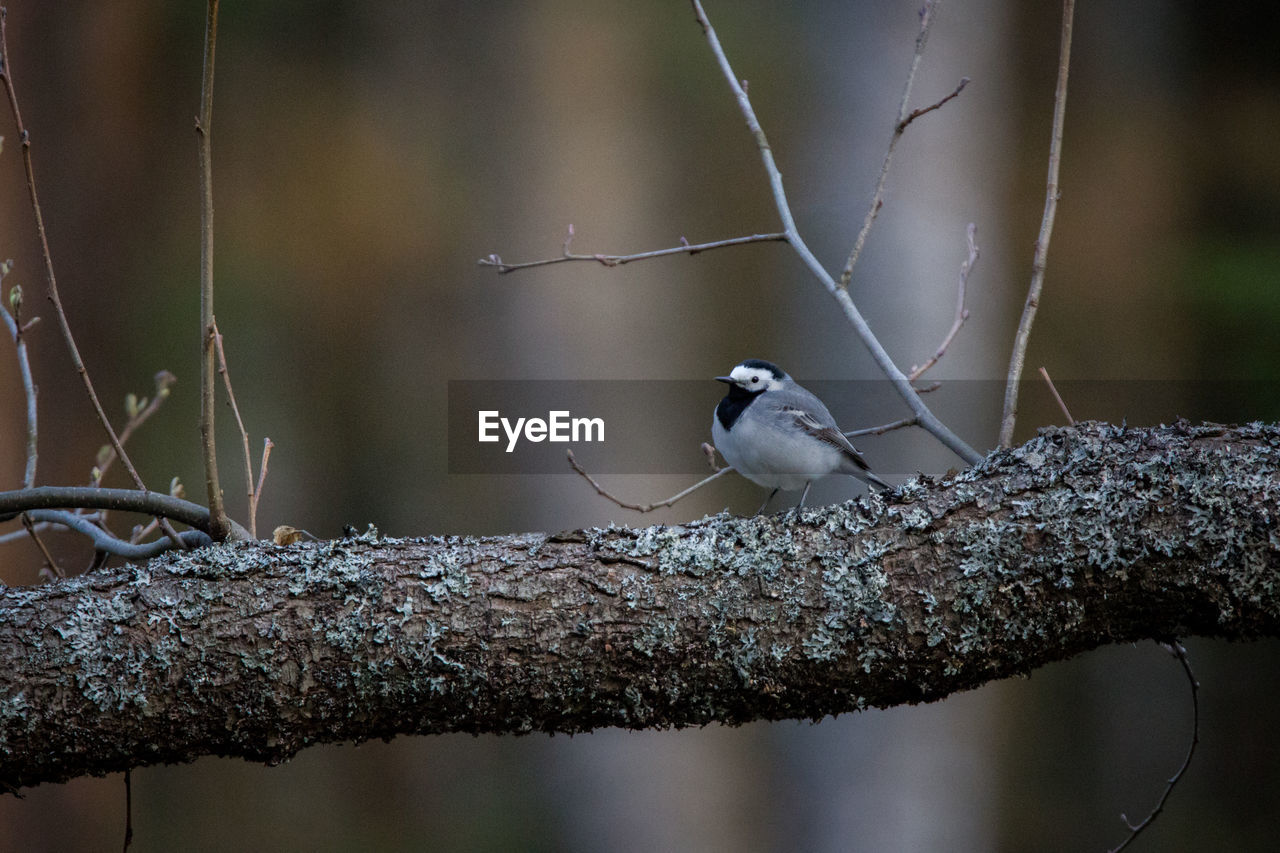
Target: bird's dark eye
755	379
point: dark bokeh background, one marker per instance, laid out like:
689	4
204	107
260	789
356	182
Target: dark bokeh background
366	155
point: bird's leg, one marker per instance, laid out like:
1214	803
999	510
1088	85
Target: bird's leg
804	494
766	501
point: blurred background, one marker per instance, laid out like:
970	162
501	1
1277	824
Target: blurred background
367	155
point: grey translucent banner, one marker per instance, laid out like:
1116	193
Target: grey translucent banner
658	426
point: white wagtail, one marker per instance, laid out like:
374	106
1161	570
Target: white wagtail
776	433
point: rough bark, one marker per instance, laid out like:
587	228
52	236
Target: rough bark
1081	537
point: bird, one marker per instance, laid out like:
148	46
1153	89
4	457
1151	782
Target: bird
778	434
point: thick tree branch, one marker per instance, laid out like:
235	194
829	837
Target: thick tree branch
1081	537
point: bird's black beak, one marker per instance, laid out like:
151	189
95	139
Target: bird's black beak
725	379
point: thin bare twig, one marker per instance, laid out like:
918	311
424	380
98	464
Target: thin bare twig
219	523
14	323
1054	389
164	381
909	394
1135	829
936	105
1041	254
882	429
685	248
15	535
256	497
30	526
962	313
899	126
244	433
641	507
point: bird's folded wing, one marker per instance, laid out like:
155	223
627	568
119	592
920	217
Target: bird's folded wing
829	434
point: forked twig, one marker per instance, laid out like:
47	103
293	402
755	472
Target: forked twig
244	436
962	313
1054	390
899	127
164	381
640	507
909	394
685	248
256	497
1040	256
1135	829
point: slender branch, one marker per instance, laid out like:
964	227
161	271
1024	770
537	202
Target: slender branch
936	105
30	526
256	497
219	522
883	428
899	126
125	500
14	323
50	279
685	248
39	526
1135	830
164	381
962	313
244	433
641	507
901	384
1040	256
1053	388
104	541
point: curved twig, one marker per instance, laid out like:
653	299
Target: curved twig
600	490
1136	829
962	313
125	500
14	323
104	541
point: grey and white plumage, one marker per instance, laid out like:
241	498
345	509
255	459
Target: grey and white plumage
778	434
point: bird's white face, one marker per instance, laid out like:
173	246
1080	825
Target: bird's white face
755	378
